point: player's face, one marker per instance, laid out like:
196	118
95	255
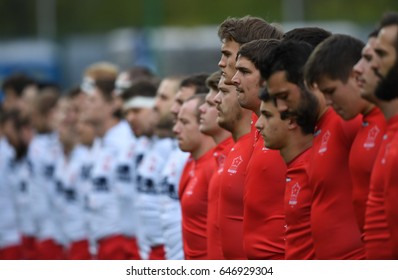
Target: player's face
85	130
182	94
65	121
142	120
208	115
385	49
229	50
286	94
187	127
164	100
98	109
271	127
366	77
11	133
345	98
228	108
248	81
387	70
165	97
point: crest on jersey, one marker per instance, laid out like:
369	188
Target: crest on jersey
324	145
371	139
294	194
235	164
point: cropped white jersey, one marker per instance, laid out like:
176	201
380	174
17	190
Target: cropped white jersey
119	135
71	206
149	190
42	154
9	233
20	183
103	200
143	145
170	206
126	189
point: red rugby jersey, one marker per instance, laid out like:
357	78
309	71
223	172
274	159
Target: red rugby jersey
264	217
194	207
378	239
362	157
391	191
231	197
214	251
185	175
335	229
298	196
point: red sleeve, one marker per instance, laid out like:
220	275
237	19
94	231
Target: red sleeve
391	193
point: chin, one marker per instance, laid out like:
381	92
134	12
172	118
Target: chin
183	148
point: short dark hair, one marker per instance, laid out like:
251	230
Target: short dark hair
17	82
106	87
18	121
373	33
144	88
388	19
265	96
201	97
311	35
246	29
335	57
213	80
198	81
288	56
74	92
46	100
257	50
306	114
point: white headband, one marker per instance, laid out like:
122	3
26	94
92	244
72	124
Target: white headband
88	85
139	102
121	85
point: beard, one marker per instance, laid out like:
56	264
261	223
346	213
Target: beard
387	89
118	113
166	122
21	151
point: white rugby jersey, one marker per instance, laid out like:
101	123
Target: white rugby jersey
149	190
87	160
119	136
143	145
170	206
20	183
126	189
71	206
43	153
9	232
102	201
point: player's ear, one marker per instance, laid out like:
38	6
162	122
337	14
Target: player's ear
292	124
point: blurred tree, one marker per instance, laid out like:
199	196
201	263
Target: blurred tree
18	17
359	11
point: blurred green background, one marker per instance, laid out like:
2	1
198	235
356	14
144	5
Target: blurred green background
64	17
55	40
